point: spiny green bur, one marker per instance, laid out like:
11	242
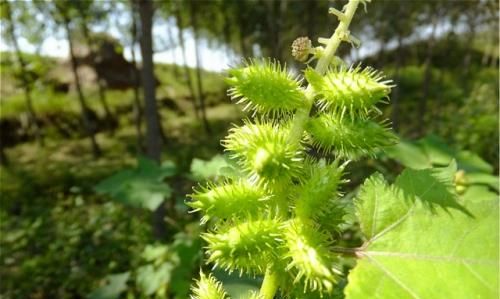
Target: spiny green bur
277	219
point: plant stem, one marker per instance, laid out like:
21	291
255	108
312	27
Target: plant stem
302	115
269	285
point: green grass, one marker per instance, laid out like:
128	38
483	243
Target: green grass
45	101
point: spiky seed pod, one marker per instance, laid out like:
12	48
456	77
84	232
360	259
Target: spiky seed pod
348	139
229	200
301	48
264	152
247	247
207	287
315	196
265	87
352	91
308	255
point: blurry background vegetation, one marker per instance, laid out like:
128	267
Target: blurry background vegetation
98	151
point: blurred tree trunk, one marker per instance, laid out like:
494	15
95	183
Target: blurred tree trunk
4	161
226	29
311	18
136	79
87	123
101	88
33	119
427	75
242	30
274	23
153	130
170	36
187	75
201	94
471	35
397	78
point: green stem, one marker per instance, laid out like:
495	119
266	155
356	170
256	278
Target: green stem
302	115
269	285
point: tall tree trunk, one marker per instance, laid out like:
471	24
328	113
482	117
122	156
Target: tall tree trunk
33	119
4	161
170	36
153	132
101	88
90	131
187	74
199	82
226	30
469	50
427	77
311	18
136	79
241	10
396	93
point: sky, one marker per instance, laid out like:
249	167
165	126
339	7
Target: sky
216	58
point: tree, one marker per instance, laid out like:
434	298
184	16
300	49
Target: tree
193	13
187	75
64	13
87	13
7	14
154	140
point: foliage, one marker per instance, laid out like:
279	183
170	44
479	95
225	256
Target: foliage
140	187
415	240
270	220
59	239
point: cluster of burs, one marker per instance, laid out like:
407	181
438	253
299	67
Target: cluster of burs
279	214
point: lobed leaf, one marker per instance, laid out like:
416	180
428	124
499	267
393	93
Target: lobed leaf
416	251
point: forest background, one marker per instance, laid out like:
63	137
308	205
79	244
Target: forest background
111	111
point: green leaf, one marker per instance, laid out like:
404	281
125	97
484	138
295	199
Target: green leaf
433	186
471	162
438	152
483	179
154	252
150	278
415	251
116	284
409	154
211	169
478	193
142	186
